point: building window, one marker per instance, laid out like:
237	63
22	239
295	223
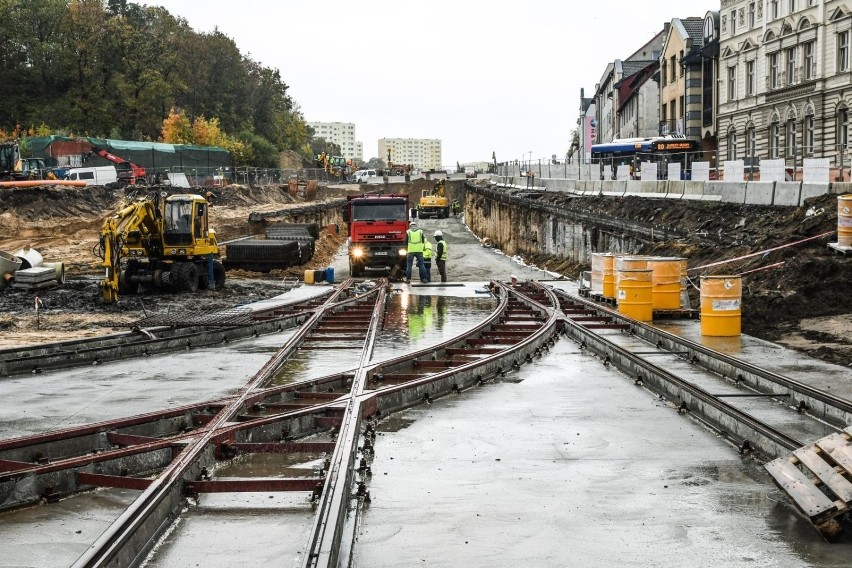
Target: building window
663	76
809	70
681	63
751	142
749	78
809	135
751	15
733	22
774	140
732	145
792	6
773	71
732	83
791	65
673	69
791	138
773	9
843	51
842	129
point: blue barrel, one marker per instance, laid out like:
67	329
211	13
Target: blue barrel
329	275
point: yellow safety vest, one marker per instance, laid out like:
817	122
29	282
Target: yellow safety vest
427	250
443	255
415	240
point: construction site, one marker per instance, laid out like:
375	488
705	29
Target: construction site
330	414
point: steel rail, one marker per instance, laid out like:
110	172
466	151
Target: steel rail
133	533
154	341
225	438
739	426
818	403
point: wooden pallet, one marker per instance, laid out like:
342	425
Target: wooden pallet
683	313
817	479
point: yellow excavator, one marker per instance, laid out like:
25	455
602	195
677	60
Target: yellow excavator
159	242
14	167
434	203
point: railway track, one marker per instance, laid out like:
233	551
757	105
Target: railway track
170	455
756	409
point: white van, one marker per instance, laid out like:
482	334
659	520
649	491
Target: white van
100	175
364	176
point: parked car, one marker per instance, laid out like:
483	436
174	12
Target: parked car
363	176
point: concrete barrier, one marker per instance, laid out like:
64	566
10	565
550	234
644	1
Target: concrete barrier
693	189
837	188
597	187
730	192
759	192
816	189
786	193
675	189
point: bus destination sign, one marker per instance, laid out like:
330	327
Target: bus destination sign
668	146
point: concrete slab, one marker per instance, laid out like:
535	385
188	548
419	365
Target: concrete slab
758	192
731	192
693	189
816	189
840	188
675	189
786	193
618	188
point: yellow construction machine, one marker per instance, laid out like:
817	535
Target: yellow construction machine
434	203
159	242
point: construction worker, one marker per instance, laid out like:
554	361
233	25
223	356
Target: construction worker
441	254
427	259
456	207
414	238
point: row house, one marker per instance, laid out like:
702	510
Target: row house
786	69
618	81
688	78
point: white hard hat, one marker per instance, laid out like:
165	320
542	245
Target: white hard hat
413	225
438	233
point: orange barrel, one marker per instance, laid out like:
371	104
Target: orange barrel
625	262
844	220
609	276
635	294
721	305
666	279
309	276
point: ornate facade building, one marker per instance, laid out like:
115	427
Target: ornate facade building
785	76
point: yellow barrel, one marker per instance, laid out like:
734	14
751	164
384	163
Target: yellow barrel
666	279
624	262
309	276
635	294
844	220
609	276
721	305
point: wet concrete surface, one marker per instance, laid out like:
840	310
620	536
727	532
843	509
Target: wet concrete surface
568	463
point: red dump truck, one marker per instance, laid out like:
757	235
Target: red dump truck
377	226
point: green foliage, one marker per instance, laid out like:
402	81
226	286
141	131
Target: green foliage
264	152
319	145
115	68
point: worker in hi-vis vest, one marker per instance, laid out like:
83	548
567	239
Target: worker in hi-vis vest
414	239
441	254
427	259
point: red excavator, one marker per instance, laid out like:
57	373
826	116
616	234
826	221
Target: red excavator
127	173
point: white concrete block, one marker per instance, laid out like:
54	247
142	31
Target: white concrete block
814	189
675	189
760	192
730	192
787	193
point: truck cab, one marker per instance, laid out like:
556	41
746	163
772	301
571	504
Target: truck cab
377	227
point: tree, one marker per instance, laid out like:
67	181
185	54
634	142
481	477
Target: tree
320	145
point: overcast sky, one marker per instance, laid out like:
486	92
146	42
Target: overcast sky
481	76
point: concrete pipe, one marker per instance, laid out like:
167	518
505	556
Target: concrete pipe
9	264
30	258
58	269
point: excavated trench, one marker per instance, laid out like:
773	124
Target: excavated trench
802	303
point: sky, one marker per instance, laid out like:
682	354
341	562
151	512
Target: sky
481	76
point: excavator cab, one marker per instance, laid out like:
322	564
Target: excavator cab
184	220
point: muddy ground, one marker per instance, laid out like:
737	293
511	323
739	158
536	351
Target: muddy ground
803	303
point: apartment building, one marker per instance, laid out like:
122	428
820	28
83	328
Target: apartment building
342	134
422	153
786	70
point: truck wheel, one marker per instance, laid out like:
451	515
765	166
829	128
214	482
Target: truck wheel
185	276
218	275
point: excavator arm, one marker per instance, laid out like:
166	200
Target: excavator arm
136	224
